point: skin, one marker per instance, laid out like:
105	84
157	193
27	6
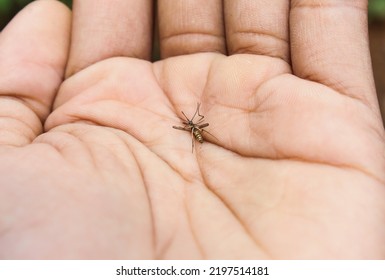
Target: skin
90	166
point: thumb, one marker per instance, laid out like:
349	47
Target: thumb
33	54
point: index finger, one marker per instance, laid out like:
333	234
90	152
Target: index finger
103	29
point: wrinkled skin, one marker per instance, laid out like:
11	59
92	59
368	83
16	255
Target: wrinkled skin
91	167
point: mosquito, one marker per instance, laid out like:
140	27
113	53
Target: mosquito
196	129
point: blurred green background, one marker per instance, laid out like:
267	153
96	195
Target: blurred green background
376	10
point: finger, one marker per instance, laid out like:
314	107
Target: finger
190	26
103	29
257	27
33	53
329	42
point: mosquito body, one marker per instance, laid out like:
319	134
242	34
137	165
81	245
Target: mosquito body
196	129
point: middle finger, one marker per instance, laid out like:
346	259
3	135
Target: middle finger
190	26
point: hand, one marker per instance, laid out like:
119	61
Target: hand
296	171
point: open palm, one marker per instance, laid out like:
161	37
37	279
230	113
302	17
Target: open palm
294	170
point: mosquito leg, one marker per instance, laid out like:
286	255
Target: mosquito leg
185	116
181	128
198	106
196	111
192	140
201	116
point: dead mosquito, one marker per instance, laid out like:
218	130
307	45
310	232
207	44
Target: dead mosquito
196	129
